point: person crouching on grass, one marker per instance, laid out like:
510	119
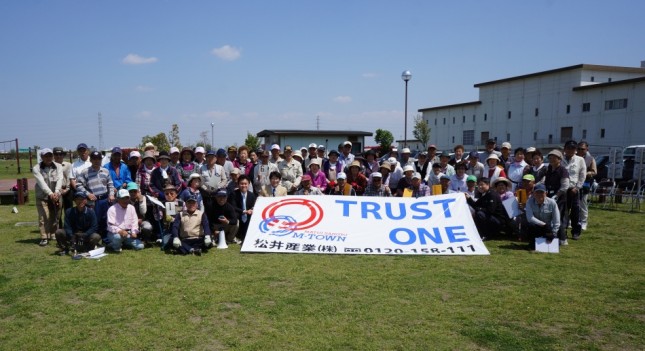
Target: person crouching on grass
80	230
123	224
542	215
341	187
190	231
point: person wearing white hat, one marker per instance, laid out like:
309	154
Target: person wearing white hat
200	157
346	155
506	159
556	181
275	154
193	185
492	169
340	186
396	173
174	156
405	157
49	182
318	178
123	223
405	181
291	171
376	186
417	189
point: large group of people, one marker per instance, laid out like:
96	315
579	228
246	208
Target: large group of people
186	200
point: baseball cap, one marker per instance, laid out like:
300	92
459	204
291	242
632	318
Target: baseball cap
331	152
530	149
58	150
506	145
236	171
275	147
163	155
191	198
321	148
288	148
135	153
445	177
556	153
313	146
46	151
377	175
408	168
306	177
347	143
416	175
298	155
95	154
174	150
432	146
80	194
81	146
342	175
132	186
200	149
232	148
406	150
392	161
539	187
122	194
491	141
221	193
116	150
528	177
570	144
474	154
220	153
471	178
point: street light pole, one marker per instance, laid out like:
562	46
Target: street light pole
406	76
212	132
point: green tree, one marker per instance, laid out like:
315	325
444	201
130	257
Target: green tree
252	141
421	131
160	141
385	139
173	138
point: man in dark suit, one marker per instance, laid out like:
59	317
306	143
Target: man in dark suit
490	215
243	201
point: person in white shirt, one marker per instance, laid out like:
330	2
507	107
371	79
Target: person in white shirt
577	169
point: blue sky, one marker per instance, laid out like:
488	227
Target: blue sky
254	65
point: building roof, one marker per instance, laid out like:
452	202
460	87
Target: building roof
608	84
450	106
268	132
568	68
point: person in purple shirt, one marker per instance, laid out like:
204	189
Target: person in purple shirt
318	178
119	171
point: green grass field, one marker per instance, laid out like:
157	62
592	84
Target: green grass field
589	297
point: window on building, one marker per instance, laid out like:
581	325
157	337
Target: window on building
566	133
592	78
602	133
485	116
435	121
468	137
473	118
508	137
453	139
586	107
534	136
550	138
568	109
453	119
584	134
463	119
537	111
484	136
444	120
615	104
609	80
509	114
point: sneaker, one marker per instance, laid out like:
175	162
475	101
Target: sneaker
43	242
576	237
158	242
62	252
197	252
237	241
564	242
583	226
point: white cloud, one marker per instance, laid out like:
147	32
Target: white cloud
143	88
227	53
369	75
134	59
343	99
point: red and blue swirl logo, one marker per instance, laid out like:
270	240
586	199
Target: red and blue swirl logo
289	215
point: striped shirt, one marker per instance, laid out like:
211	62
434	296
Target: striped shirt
97	182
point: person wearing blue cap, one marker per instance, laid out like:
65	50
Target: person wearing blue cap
49	181
164	175
119	171
542	215
190	232
80	230
81	163
220	159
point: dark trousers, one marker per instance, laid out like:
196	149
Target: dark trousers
572	213
80	241
100	209
487	224
191	244
244	227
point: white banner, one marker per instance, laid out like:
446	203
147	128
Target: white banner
434	225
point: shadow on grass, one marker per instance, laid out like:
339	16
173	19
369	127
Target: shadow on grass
28	241
515	246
